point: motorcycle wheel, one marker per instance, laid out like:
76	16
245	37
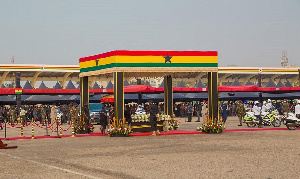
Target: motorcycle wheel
276	123
251	124
291	127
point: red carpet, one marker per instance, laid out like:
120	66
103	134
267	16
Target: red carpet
255	129
174	132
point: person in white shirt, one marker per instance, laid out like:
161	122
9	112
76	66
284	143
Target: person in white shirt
257	111
140	110
264	107
269	105
297	109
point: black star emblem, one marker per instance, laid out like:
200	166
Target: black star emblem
167	58
96	62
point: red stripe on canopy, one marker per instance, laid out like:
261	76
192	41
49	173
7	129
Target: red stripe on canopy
149	89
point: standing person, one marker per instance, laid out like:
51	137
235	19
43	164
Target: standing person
12	114
285	108
35	114
39	114
229	109
279	107
199	109
48	111
1	118
23	115
103	121
204	110
53	114
86	114
127	114
224	111
65	112
292	108
240	111
153	118
69	113
74	116
297	110
43	115
190	112
111	113
182	110
257	112
233	109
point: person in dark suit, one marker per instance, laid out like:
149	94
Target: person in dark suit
153	118
127	114
224	111
86	113
103	121
190	112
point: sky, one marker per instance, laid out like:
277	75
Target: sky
58	32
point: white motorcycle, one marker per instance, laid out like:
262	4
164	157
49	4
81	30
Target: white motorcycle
268	119
291	121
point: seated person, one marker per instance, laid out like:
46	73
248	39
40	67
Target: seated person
140	110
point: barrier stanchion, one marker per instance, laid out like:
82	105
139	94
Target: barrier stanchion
47	127
57	129
5	127
60	130
32	131
22	128
73	129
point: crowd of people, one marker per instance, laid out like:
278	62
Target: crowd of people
234	108
239	108
69	112
42	113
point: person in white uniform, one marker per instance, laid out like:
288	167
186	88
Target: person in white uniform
269	105
264	107
297	109
257	111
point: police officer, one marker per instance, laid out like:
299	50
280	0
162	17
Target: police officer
257	112
297	109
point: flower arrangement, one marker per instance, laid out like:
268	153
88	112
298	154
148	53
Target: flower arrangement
81	127
210	126
174	124
166	126
140	118
163	117
119	127
146	117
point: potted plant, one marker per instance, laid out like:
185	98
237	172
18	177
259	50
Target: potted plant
174	123
119	128
212	126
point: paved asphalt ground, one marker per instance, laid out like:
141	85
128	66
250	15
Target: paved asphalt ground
248	154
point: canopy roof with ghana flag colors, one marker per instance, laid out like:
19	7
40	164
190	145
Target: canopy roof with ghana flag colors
168	64
145	62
